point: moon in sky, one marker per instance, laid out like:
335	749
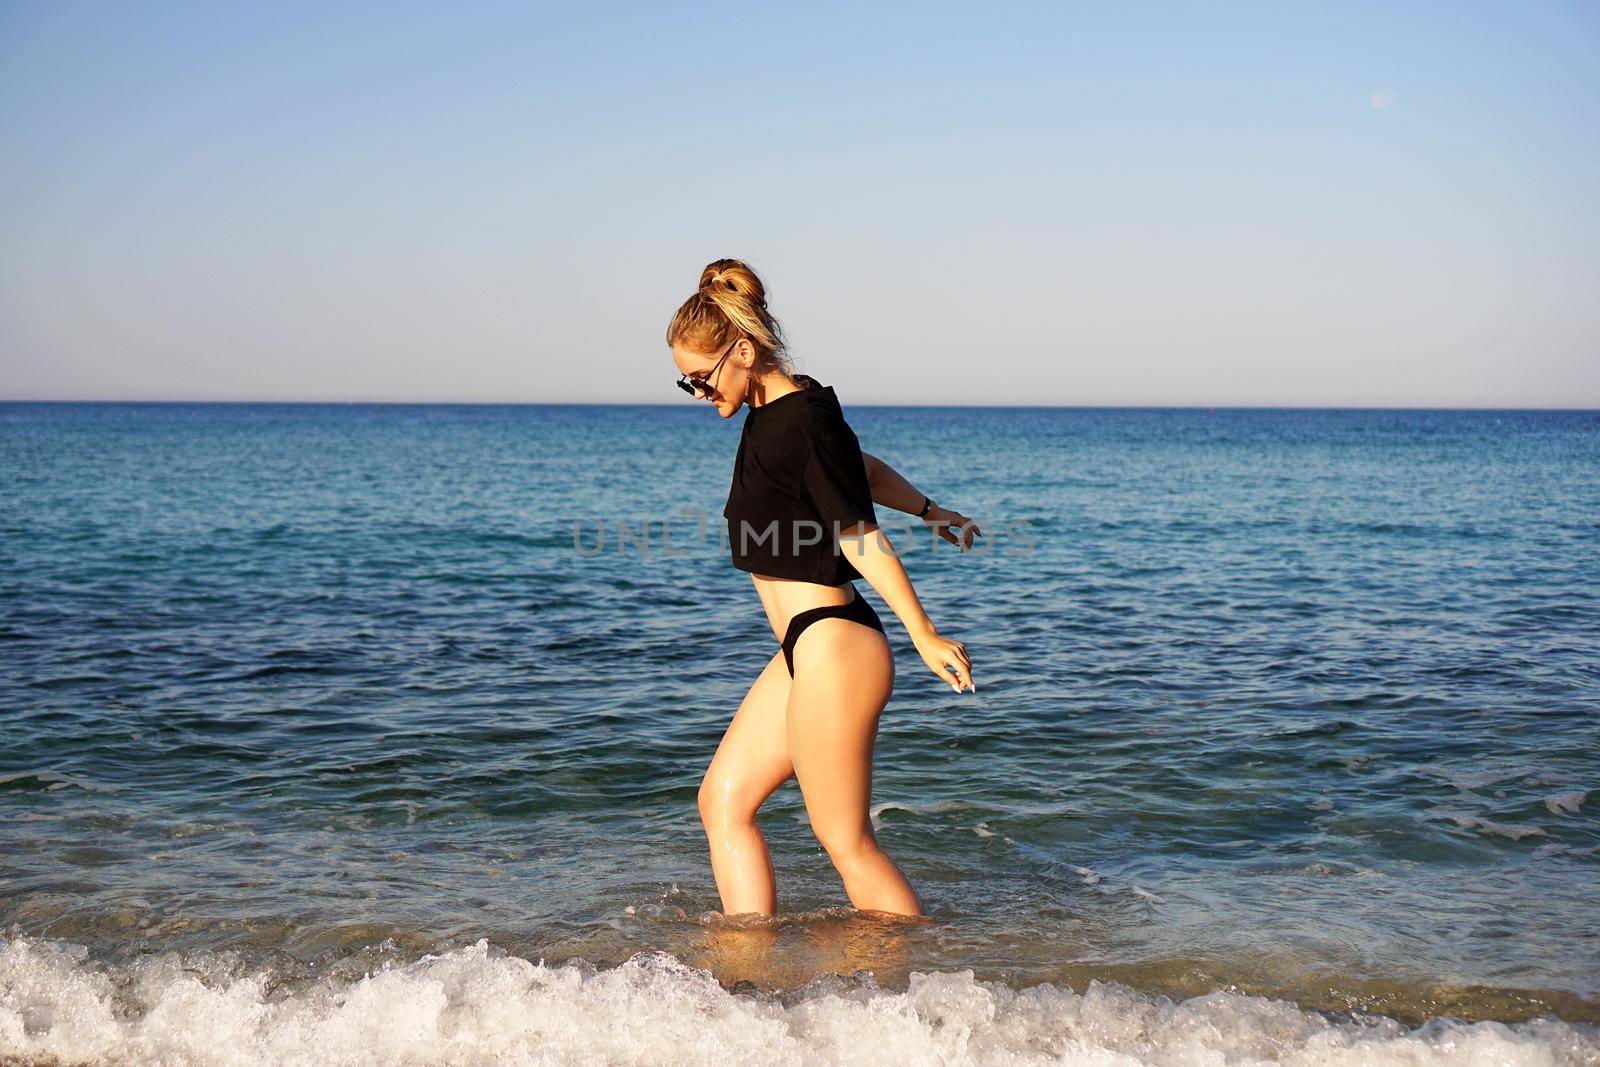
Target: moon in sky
1383	98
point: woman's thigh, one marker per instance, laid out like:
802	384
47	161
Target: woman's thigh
753	759
843	677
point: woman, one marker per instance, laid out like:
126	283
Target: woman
800	520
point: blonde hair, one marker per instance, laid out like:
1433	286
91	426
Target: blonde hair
730	303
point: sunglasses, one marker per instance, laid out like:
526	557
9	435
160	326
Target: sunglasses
695	385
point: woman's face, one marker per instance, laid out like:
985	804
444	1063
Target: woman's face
728	382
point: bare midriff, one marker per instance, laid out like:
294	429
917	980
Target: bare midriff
784	598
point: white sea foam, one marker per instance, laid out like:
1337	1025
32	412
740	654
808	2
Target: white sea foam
1566	803
1468	821
1515	831
476	1005
935	807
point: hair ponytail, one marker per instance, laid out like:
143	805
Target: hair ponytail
730	303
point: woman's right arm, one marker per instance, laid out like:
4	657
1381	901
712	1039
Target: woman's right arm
891	489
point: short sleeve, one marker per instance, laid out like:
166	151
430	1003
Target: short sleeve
836	482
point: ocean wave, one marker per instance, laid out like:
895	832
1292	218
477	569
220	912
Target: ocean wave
477	1004
50	781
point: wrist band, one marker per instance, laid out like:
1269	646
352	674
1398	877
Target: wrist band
927	506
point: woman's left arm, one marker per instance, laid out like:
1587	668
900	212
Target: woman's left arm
869	550
835	482
891	489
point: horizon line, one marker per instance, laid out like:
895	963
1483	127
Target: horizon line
857	404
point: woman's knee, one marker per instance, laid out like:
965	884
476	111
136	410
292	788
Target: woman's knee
846	846
724	803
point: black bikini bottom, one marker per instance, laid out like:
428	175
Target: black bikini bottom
857	610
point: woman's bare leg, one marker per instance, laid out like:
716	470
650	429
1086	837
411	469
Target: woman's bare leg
751	762
843	676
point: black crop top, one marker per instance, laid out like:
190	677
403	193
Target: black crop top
798	479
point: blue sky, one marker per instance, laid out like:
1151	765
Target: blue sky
991	204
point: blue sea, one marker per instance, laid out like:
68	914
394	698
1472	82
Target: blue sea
372	734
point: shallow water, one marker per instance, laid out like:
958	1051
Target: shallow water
1284	704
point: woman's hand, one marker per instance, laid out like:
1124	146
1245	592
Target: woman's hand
953	526
946	658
